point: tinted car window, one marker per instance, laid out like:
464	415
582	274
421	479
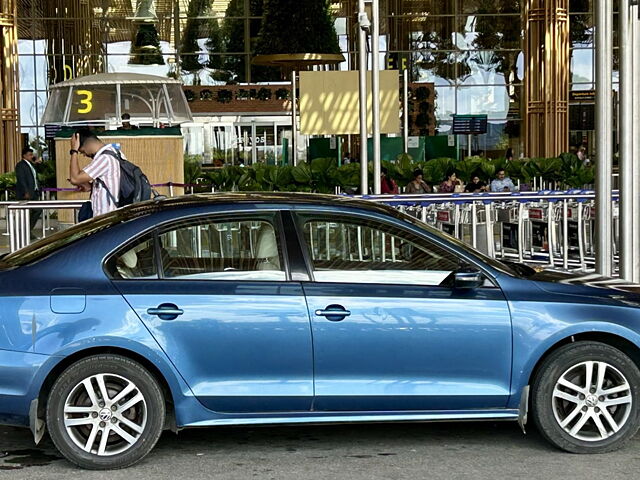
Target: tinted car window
222	250
358	251
137	261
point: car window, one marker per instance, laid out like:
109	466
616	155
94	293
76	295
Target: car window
222	250
359	251
137	261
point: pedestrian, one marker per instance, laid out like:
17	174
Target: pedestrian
27	187
502	183
387	185
509	155
418	185
346	160
101	176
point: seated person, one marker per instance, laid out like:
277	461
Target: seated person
502	183
126	123
475	185
418	185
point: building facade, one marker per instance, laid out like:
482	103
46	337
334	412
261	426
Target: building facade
527	64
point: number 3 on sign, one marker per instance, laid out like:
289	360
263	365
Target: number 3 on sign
86	101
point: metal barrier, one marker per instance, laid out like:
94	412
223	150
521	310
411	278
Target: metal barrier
19	216
549	228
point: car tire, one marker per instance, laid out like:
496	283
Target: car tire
586	398
102	434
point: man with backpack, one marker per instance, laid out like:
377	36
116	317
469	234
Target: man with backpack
113	180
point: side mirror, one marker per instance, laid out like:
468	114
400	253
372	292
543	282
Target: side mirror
468	280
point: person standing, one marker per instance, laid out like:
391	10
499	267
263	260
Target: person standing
502	183
102	174
27	187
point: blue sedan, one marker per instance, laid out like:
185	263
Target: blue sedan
246	309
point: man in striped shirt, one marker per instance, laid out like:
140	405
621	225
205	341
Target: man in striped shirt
101	176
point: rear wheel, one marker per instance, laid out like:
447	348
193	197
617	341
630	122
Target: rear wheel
586	398
105	412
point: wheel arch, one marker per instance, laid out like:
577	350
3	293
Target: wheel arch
67	361
625	345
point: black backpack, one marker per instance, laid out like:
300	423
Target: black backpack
134	184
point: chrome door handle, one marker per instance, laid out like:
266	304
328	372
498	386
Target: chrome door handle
328	313
166	311
333	313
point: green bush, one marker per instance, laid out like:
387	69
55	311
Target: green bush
323	175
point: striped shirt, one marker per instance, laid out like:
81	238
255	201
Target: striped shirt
106	168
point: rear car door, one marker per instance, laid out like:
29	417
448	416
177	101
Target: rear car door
389	330
216	295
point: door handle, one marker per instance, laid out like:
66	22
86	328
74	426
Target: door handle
333	313
166	311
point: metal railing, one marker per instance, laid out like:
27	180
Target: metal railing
548	228
19	218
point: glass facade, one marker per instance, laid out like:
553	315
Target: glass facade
470	49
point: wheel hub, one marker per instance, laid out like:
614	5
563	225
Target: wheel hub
591	401
105	415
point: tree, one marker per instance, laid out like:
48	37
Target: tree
145	49
297	26
214	45
233	31
189	48
501	37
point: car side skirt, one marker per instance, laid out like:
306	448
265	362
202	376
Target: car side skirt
369	417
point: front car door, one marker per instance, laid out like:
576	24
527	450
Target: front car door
389	330
216	295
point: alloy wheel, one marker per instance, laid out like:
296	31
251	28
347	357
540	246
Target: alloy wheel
105	414
592	401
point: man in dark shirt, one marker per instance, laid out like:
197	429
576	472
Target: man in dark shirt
27	187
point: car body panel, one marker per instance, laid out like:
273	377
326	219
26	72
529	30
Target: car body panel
410	348
37	331
241	346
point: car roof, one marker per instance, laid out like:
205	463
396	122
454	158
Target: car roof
224	198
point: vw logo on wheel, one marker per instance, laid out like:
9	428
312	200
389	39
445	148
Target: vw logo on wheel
105	414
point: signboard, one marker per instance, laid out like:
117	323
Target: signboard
329	103
582	96
413	142
469	124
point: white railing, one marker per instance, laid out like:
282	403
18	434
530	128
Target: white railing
19	218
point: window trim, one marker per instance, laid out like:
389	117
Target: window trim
156	230
299	221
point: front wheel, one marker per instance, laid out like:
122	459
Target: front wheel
105	412
586	398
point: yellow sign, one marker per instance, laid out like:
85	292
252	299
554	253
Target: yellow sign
329	103
86	101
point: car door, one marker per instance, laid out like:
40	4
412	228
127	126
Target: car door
216	295
389	330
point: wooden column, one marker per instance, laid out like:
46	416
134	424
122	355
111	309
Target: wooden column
9	108
546	88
